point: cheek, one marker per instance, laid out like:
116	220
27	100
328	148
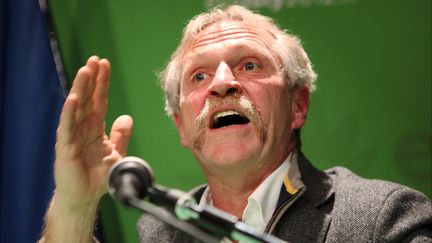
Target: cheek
187	114
271	99
280	108
190	107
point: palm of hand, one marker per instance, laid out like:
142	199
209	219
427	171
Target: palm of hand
84	152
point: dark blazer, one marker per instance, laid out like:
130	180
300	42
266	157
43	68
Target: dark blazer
337	206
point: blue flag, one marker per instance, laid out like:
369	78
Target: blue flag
30	103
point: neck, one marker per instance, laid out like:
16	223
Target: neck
230	188
231	195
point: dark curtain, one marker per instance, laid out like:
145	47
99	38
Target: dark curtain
30	102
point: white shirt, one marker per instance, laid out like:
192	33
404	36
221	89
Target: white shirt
262	202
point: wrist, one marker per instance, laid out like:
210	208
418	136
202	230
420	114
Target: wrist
70	222
72	207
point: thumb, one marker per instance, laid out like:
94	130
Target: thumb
121	132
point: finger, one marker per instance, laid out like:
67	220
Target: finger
87	101
100	96
121	132
80	89
65	131
92	63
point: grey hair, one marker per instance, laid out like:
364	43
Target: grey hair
295	64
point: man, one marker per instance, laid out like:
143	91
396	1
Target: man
238	90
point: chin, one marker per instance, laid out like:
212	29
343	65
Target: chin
229	155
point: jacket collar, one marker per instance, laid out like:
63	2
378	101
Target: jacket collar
319	184
309	216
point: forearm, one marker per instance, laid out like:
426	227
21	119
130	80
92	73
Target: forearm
65	223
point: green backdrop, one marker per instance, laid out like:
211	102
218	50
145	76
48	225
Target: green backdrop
371	112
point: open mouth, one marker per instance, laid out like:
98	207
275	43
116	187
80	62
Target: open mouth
228	118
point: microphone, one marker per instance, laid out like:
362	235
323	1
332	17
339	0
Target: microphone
129	178
132	177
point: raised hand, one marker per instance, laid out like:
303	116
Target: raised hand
84	153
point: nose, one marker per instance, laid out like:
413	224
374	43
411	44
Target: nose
224	82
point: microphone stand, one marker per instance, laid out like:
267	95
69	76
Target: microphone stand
170	219
197	221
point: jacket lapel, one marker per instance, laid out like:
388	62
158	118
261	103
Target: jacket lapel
319	184
309	217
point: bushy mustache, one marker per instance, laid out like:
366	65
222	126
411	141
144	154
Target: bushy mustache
239	103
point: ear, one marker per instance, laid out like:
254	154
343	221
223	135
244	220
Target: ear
300	107
179	124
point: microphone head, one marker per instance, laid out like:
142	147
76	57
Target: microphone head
129	176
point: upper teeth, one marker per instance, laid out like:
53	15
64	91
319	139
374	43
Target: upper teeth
225	113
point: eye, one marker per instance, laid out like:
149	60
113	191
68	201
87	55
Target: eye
199	77
249	66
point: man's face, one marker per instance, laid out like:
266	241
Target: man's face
235	107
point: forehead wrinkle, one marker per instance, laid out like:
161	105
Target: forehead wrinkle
223	33
233	36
